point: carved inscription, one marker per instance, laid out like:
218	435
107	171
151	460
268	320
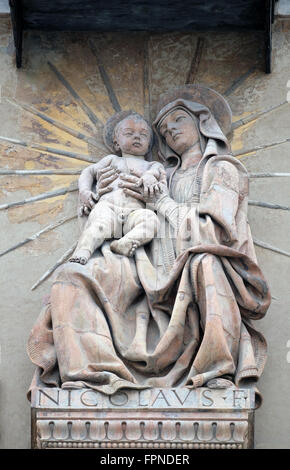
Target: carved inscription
202	398
152	418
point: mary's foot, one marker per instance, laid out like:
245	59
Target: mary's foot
124	247
80	256
73	385
219	383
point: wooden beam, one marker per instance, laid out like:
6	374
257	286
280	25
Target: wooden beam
268	35
17	25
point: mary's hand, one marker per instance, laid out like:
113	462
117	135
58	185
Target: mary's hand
105	177
133	186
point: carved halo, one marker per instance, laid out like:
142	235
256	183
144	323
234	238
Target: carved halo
203	95
198	93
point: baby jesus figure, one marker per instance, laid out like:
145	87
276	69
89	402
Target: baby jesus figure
117	215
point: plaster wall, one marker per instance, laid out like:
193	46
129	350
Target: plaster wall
230	63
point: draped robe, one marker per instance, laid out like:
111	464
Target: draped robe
177	314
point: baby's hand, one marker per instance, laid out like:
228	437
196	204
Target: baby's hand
150	184
87	199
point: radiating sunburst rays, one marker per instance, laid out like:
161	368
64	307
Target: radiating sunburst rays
124	86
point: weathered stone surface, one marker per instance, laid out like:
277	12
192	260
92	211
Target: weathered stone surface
157	418
191	290
226	62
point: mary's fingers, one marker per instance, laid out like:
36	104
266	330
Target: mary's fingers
105	170
132	186
107	180
105	190
86	210
129	192
105	174
129	178
137	173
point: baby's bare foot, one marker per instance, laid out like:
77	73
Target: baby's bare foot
133	249
124	247
80	256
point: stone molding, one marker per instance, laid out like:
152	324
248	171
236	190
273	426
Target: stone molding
153	419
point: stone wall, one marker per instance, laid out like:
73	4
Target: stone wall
73	100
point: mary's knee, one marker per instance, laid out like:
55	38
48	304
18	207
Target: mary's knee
66	271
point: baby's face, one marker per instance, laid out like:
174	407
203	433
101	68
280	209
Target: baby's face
133	137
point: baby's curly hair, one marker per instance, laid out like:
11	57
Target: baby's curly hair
113	124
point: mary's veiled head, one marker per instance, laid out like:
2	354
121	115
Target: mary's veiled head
182	121
179	129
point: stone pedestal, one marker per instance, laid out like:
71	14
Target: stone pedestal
156	418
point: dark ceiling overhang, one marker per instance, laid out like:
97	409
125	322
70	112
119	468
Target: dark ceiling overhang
143	15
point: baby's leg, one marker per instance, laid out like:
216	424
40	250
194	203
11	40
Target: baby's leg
98	228
140	228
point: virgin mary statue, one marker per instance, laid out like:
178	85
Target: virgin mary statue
180	312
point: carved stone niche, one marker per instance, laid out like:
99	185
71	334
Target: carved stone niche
178	418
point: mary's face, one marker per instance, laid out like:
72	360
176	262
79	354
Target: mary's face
179	130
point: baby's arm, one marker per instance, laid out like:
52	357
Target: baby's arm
104	168
154	179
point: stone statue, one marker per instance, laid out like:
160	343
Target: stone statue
113	210
179	312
